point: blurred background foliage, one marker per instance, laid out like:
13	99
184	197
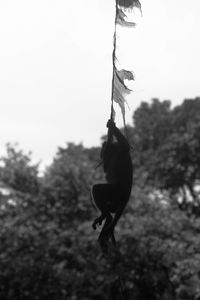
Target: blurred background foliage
48	249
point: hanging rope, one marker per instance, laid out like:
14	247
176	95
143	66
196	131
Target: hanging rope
113	61
118	92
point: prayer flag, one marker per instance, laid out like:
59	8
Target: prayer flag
119	87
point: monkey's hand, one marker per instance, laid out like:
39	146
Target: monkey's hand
96	222
110	124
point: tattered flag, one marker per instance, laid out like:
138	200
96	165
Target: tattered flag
120	90
122	19
129	3
119	87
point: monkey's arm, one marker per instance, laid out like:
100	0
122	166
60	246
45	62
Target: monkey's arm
113	130
120	138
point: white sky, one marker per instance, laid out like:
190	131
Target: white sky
55	66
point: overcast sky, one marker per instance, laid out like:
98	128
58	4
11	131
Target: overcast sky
55	66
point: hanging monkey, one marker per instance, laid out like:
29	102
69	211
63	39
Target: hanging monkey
112	197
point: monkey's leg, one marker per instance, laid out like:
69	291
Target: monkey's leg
100	196
104	235
113	239
109	219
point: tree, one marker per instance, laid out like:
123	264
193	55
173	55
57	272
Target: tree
18	172
167	145
67	182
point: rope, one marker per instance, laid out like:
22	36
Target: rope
113	60
110	138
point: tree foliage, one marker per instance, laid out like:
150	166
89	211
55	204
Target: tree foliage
18	172
67	182
167	145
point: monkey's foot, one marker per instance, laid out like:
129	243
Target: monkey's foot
96	222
